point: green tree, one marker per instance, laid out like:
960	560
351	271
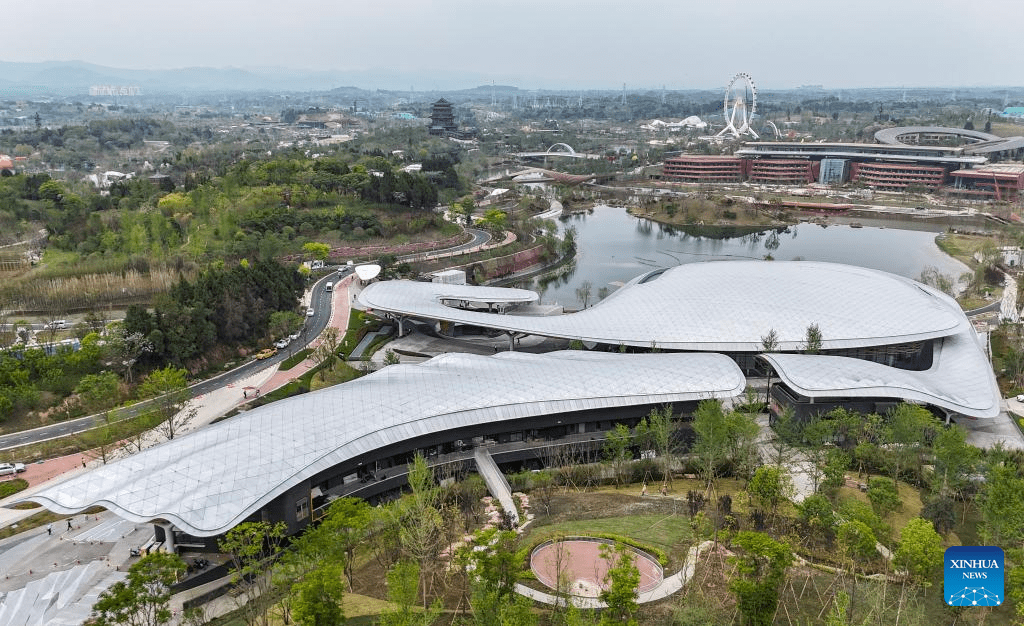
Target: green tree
621	580
920	550
98	391
403	579
316	250
761	568
909	427
169	389
654	432
317	598
284	323
955	459
347	523
251	547
1002	506
769	486
617	453
495	565
813	341
858	542
420	520
143	598
883	496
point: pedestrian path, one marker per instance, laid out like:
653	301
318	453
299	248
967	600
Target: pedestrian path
497	484
667	587
63	598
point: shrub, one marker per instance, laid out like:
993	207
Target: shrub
11	487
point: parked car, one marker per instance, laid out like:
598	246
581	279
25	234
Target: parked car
6	469
293	336
266	354
56	325
1020	398
310	312
281	344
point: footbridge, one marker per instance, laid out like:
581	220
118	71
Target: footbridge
496	482
558	150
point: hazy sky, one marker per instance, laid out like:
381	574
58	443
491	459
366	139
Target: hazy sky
680	44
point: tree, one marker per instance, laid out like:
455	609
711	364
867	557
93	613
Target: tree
616	451
654	432
326	354
920	551
143	598
169	389
403	579
883	496
316	250
909	426
251	547
284	323
1002	508
494	220
770	485
954	459
317	598
495	565
761	566
421	522
621	580
583	292
813	341
98	391
347	523
391	357
770	342
127	348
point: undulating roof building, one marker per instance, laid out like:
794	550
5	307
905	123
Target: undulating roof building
285	460
917	336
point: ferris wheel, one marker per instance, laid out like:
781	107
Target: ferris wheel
739	106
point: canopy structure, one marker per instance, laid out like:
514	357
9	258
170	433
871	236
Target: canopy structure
210	480
725	306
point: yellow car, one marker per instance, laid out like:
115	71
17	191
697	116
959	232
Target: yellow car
266	354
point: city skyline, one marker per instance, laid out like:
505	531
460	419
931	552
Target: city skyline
454	44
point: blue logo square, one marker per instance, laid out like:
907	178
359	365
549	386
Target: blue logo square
973	576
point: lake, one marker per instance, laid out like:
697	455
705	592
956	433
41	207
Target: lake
615	247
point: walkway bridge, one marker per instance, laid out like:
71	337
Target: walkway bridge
496	482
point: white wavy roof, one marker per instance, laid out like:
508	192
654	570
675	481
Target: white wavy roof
210	480
717	306
959	380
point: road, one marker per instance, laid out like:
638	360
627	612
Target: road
319	301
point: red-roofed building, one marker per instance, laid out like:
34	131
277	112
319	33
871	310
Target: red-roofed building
6	165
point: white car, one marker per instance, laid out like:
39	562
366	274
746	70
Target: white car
310	313
1020	398
7	469
282	343
293	336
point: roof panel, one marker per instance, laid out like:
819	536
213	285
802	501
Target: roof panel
209	480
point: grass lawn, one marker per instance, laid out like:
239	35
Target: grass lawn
909	496
343	372
666	532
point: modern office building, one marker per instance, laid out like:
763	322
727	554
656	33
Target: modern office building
904	158
697	168
998	181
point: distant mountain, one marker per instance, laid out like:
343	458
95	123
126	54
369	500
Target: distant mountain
71	78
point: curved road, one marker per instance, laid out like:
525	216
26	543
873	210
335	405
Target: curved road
313	326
